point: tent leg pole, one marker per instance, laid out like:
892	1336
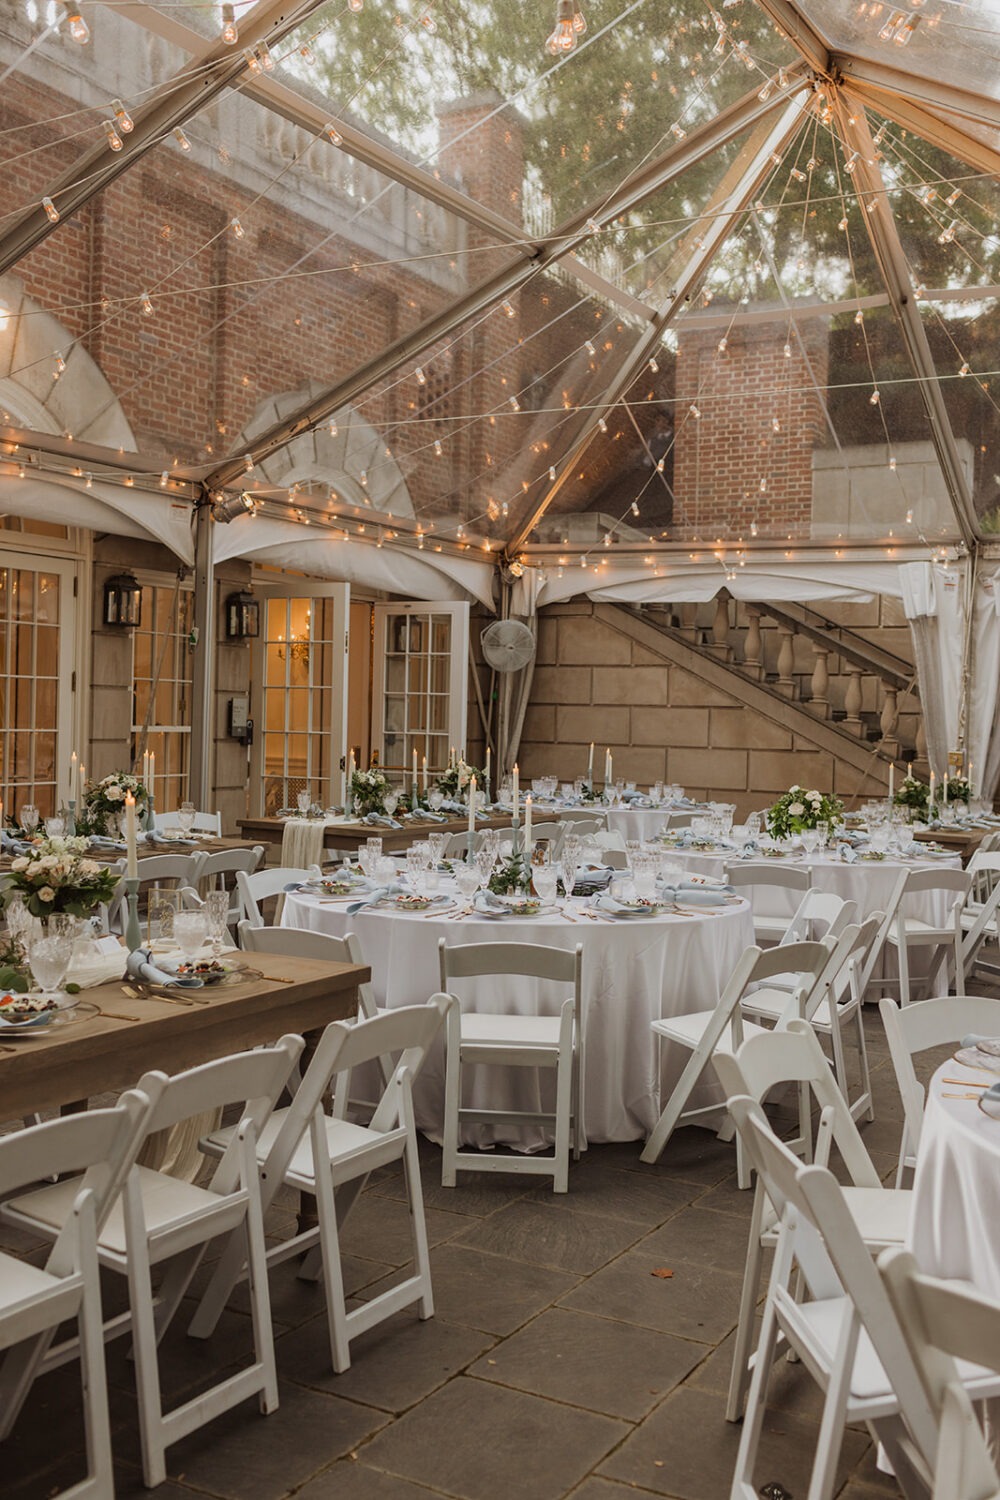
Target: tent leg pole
202	728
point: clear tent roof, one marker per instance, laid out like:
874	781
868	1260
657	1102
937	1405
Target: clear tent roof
644	293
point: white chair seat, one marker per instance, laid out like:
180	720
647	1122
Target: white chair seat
919	931
480	1032
345	1141
881	1216
691	1028
824	1324
20	1281
772	929
164	1200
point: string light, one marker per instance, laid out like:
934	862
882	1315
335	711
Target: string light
230	32
114	139
308	56
333	135
237	228
508	308
50	209
181	139
123	119
356	5
146	303
78	28
562	38
60	364
421	377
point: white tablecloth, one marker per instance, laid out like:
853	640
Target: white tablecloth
633	972
956	1191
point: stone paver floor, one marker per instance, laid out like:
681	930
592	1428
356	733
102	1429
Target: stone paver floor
557	1364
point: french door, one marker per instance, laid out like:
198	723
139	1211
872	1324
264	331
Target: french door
299	703
420	686
37	643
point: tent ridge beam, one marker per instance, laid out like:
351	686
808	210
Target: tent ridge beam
564	241
215	68
924	122
902	298
922	91
792	23
769	140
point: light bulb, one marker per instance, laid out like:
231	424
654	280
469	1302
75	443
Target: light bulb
263	52
843	223
905	32
123	119
909	518
114	139
146	303
723	344
230	31
660	466
953	198
181	139
947	235
753	528
356	5
438	450
514	404
251	60
850	165
307	54
678	131
762	487
775	424
765	92
237	229
78	28
654	367
694	411
333	429
593	226
889	27
635	507
602	424
60	363
965	369
164	479
875	398
428	22
421	377
508	308
859	317
562	38
51	211
333	135
892	465
787	351
589	346
579	21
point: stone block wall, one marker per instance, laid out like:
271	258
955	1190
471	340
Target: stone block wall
594	680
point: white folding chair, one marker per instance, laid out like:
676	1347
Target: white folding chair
845	1333
215	868
160	1219
204	822
332	1158
173	871
836	1000
704	1032
757	880
539	1041
882	1215
980	923
583	826
300	942
607	840
916	1028
943	939
101	1144
263	884
819	914
944	1322
551	834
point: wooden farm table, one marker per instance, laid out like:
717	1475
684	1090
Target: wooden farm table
109	1052
352	836
962	841
146	851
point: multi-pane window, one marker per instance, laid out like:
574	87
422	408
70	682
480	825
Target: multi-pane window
298	690
420	664
162	654
30	603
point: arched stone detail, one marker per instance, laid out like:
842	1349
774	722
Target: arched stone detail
79	403
333	460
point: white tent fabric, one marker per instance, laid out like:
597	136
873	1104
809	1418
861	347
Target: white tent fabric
984	697
934	602
324	554
102	508
690	582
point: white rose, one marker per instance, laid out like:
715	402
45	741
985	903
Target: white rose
90	867
114	794
813	796
20	863
796	809
46	893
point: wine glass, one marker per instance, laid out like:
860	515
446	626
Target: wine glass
304	801
434	799
569	870
217	914
467	879
437	842
190	932
55	827
186	814
29	818
390	802
544	878
49	952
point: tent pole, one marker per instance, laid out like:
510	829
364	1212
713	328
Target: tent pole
202	727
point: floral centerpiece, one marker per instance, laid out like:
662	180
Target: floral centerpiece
454	781
955	789
799	809
104	802
368	789
511	876
58	876
912	795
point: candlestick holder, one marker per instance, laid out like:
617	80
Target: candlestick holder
133	932
71	817
150	813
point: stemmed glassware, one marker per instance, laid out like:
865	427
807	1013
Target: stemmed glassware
390	802
190	931
369	856
467	880
29	818
186	814
434	799
50	950
217	913
304	801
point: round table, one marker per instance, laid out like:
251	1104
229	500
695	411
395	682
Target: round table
956	1190
634	972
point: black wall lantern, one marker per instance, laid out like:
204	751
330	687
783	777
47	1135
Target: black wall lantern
242	617
123	600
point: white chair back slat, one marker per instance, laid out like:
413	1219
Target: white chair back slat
263	884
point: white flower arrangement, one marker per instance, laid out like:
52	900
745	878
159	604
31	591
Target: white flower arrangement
800	808
58	876
104	802
368	789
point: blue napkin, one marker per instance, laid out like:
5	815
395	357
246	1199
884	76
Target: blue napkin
975	1037
380	820
686	893
377	894
450	805
160	840
431	817
102	841
140	965
486	901
11	845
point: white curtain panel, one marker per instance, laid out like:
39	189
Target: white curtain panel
984	697
934	605
523	607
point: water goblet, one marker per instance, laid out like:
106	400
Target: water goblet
49	952
55	827
304	801
544	878
810	839
390	802
467	879
186	814
569	871
29	818
437	842
190	932
217	915
434	799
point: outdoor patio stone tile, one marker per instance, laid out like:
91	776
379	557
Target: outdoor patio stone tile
640	1198
660	1455
294	1301
691	1154
697	1302
352	1479
589	1361
489	1292
393	1365
546	1235
186	1364
535	1449
244	1456
727	1197
475	1194
702	1237
379	1228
